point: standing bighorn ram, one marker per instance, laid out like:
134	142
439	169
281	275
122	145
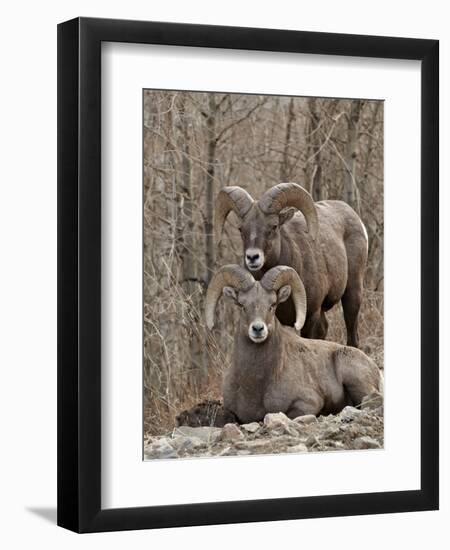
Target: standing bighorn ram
274	369
326	243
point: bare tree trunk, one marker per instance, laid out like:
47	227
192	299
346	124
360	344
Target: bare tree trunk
284	168
315	185
371	130
186	227
350	186
209	195
191	283
374	224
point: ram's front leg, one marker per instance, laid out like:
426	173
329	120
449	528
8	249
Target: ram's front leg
316	326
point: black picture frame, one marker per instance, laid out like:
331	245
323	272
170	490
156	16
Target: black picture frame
79	274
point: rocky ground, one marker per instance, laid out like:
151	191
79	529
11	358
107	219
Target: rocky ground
352	428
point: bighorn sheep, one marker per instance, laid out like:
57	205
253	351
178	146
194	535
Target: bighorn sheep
326	243
274	369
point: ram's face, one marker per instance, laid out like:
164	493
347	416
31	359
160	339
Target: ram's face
257	311
260	234
257	307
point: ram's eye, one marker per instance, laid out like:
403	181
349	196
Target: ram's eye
273	306
274	227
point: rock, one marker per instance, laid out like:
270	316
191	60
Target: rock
254	445
299	448
272	421
185	444
379	411
306	419
252	427
205	433
352	428
160	448
228	451
366	442
372	401
279	423
331	445
281	441
327	418
312	441
367	419
348	414
331	433
231	432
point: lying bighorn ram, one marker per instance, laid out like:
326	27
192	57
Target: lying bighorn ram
274	369
326	244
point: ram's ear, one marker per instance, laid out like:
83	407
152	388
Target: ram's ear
283	294
286	214
230	293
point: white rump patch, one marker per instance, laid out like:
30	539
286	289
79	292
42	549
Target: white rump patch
365	234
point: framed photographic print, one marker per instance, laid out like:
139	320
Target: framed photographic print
248	275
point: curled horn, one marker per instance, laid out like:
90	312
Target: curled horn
282	275
290	194
230	198
229	275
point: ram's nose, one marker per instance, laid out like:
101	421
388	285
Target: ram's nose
258	331
258	327
254	258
